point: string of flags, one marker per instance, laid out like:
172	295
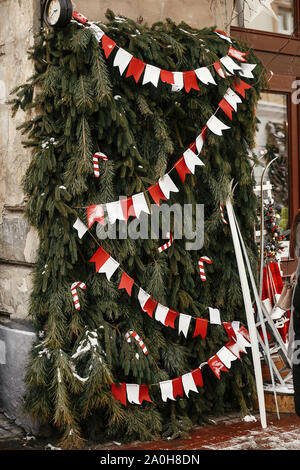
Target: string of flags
186	164
238	341
188	80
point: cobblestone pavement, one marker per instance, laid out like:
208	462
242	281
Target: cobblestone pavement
226	433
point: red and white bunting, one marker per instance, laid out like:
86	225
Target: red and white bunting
214	316
229	64
246	70
226	356
135	393
232	98
202	260
161	313
205	76
223	35
74	287
140	204
104	263
133	334
222	215
184	323
167	185
232	52
168	244
191	160
96	157
95	213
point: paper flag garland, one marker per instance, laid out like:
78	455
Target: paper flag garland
246	71
184	323
216	126
95	213
216	366
214	316
226	356
167	185
74	287
151	74
133	334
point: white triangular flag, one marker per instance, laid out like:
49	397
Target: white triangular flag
167	185
109	267
199	143
133	392
188	383
235	325
222	36
161	313
178	81
191	160
122	59
114	211
151	75
143	297
205	76
97	31
229	64
80	227
140	204
166	389
214	316
216	126
242	341
232	98
247	70
184	323
226	356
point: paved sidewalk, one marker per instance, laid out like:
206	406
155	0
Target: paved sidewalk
225	433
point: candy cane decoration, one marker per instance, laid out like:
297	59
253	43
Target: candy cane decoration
222	214
74	292
168	244
96	157
138	339
203	259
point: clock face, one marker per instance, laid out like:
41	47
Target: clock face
53	12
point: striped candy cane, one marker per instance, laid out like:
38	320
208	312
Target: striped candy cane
168	244
222	214
138	339
74	292
203	259
96	157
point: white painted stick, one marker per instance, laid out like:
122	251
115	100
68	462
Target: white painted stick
249	315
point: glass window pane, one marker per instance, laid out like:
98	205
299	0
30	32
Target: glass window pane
272	144
275	16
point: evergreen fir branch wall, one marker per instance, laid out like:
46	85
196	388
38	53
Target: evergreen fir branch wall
82	107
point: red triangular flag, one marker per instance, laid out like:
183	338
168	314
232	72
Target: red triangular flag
216	365
197	376
119	392
167	77
170	318
190	81
219	70
95	213
201	327
108	45
235	348
226	107
182	169
177	387
156	193
229	330
150	306
144	393
126	282
241	87
136	67
99	258
127	207
193	147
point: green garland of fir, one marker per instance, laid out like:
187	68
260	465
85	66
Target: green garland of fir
82	106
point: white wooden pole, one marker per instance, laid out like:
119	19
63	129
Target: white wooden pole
249	314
